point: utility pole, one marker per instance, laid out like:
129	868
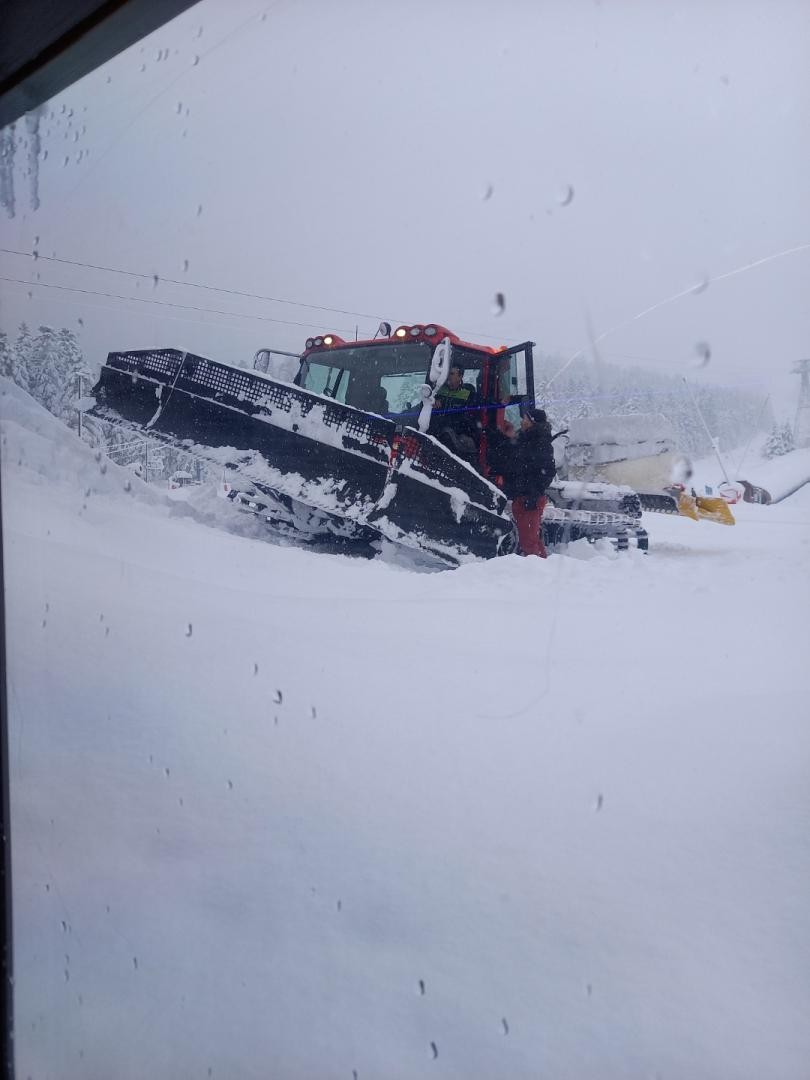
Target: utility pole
80	376
713	439
801	425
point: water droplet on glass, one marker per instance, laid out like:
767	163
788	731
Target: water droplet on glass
703	354
487	194
155	281
499	304
179	107
600	799
230	785
143	67
199	210
195	61
505	1025
135	962
565	195
167	770
255	669
701	286
185	266
188	630
109	78
681	470
199	32
278	697
422	987
80	321
66	162
434	1050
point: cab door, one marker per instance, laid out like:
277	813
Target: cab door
514	384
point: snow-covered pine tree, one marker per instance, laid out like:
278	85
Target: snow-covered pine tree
779	442
6	356
54	363
21	358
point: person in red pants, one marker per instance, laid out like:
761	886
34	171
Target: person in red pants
527	466
528	515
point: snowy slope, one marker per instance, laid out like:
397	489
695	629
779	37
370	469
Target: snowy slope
281	814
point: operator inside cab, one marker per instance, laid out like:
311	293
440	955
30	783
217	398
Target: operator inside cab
454	420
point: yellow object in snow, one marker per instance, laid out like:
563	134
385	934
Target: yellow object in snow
687	505
711	508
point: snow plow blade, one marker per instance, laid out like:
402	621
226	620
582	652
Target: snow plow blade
696	507
710	508
363	471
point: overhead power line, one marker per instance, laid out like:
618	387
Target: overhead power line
162	303
188	284
36	256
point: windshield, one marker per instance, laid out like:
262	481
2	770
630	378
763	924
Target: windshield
382	379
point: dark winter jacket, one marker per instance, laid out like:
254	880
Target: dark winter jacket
527	464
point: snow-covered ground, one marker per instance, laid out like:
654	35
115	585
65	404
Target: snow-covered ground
293	815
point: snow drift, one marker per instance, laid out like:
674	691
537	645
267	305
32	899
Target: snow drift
284	814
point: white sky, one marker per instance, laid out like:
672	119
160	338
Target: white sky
341	154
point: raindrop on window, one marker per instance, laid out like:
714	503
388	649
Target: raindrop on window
199	210
278	697
566	195
487	193
505	1025
703	354
185	264
195	61
155	281
701	286
499	304
188	630
179	107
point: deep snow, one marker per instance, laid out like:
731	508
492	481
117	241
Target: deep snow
293	815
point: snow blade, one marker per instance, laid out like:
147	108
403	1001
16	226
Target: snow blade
696	507
714	509
305	447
